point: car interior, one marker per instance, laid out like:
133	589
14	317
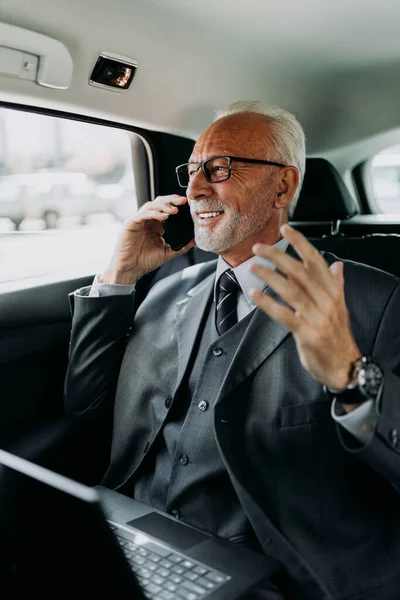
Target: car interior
119	92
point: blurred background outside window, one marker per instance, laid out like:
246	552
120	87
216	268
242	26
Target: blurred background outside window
67	186
385	176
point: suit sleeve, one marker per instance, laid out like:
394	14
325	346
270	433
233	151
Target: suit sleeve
100	330
382	451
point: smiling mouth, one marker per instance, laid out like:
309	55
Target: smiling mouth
209	215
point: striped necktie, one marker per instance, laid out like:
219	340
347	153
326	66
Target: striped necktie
226	308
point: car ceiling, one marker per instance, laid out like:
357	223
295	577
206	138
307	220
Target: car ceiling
334	63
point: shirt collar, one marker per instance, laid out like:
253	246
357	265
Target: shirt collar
246	279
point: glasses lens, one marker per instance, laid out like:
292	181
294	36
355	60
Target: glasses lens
182	173
217	169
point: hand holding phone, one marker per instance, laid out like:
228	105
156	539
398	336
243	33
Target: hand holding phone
179	228
141	247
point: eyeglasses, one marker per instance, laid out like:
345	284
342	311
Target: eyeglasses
215	169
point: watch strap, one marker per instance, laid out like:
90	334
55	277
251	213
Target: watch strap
351	395
367	386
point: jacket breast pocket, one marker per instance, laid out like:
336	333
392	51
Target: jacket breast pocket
309	413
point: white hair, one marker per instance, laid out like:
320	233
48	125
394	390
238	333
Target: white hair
286	134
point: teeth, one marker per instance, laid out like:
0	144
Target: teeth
210	214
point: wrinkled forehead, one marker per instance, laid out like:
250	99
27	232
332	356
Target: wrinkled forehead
233	137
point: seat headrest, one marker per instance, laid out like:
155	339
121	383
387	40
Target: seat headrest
324	195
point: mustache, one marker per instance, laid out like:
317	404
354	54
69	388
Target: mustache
209	205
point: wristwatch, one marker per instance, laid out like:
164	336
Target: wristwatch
368	378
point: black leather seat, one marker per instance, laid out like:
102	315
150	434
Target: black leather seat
326	212
379	250
324	201
326	204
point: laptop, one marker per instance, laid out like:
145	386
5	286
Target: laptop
60	538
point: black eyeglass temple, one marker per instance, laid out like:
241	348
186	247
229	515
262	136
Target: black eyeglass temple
256	161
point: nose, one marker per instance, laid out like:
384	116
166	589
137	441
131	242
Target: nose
199	187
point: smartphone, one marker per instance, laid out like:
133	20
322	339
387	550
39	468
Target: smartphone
179	228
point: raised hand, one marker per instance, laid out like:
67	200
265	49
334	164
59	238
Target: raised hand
316	311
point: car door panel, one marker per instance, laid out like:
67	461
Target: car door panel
35	326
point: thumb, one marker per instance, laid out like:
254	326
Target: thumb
185	249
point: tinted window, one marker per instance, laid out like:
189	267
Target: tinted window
65	188
385	176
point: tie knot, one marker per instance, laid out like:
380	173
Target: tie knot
228	283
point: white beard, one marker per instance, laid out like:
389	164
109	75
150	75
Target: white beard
234	228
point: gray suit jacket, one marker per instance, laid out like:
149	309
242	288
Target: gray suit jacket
323	505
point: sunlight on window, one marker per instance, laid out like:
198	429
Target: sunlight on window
385	175
65	189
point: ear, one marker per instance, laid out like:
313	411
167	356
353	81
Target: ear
288	182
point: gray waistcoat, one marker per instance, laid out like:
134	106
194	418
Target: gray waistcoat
185	474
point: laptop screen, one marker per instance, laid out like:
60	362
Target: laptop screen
54	538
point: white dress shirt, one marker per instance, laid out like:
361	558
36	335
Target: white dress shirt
360	422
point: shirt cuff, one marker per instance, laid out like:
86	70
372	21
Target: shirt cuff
110	289
98	290
360	422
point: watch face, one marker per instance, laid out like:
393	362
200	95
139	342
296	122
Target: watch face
370	379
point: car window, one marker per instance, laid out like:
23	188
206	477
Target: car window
385	179
65	188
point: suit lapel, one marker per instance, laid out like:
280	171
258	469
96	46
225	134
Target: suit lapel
190	314
263	335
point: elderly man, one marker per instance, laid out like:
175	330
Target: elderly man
254	396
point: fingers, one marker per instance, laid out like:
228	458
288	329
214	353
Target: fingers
167	203
294	295
298	275
304	249
146	216
310	256
312	276
159	209
276	311
185	248
336	269
166	207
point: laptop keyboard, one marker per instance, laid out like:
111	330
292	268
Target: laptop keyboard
165	574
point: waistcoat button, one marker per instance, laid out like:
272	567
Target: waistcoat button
394	437
218	351
184	459
203	405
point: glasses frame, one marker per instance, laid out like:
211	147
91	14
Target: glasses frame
201	164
